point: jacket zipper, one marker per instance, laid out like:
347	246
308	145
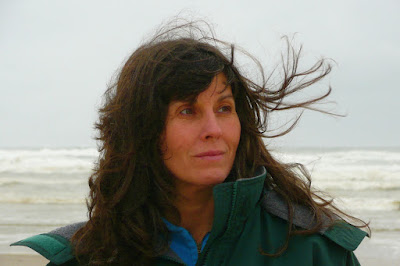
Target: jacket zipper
205	256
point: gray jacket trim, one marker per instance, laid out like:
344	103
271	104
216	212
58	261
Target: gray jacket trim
69	230
303	217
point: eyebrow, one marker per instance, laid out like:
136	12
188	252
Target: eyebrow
223	97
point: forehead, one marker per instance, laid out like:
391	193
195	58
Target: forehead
219	88
219	85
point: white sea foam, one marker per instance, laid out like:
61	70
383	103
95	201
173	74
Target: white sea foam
47	160
369	204
42	200
42	197
356	179
12	181
365	179
349	170
341	155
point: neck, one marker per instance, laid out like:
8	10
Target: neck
196	208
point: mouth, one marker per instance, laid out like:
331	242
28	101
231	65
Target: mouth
210	155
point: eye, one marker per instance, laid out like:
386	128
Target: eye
187	111
225	109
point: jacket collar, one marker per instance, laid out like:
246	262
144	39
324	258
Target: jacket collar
234	201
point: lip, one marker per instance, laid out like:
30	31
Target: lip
213	155
210	153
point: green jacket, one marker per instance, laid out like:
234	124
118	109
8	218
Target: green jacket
248	219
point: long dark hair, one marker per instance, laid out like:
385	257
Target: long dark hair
131	189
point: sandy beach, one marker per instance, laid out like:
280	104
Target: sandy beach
36	260
22	259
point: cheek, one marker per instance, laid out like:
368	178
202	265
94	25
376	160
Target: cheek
234	132
176	140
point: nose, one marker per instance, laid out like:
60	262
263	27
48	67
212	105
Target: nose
211	127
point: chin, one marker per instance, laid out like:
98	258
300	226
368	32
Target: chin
214	177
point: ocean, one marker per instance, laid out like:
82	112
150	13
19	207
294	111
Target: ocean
41	189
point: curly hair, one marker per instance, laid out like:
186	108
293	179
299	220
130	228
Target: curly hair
131	189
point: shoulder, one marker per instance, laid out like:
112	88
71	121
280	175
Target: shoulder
55	245
340	233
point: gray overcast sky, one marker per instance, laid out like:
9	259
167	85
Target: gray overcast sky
56	58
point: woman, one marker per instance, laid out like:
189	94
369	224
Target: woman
184	176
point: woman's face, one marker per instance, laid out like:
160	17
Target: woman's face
201	138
